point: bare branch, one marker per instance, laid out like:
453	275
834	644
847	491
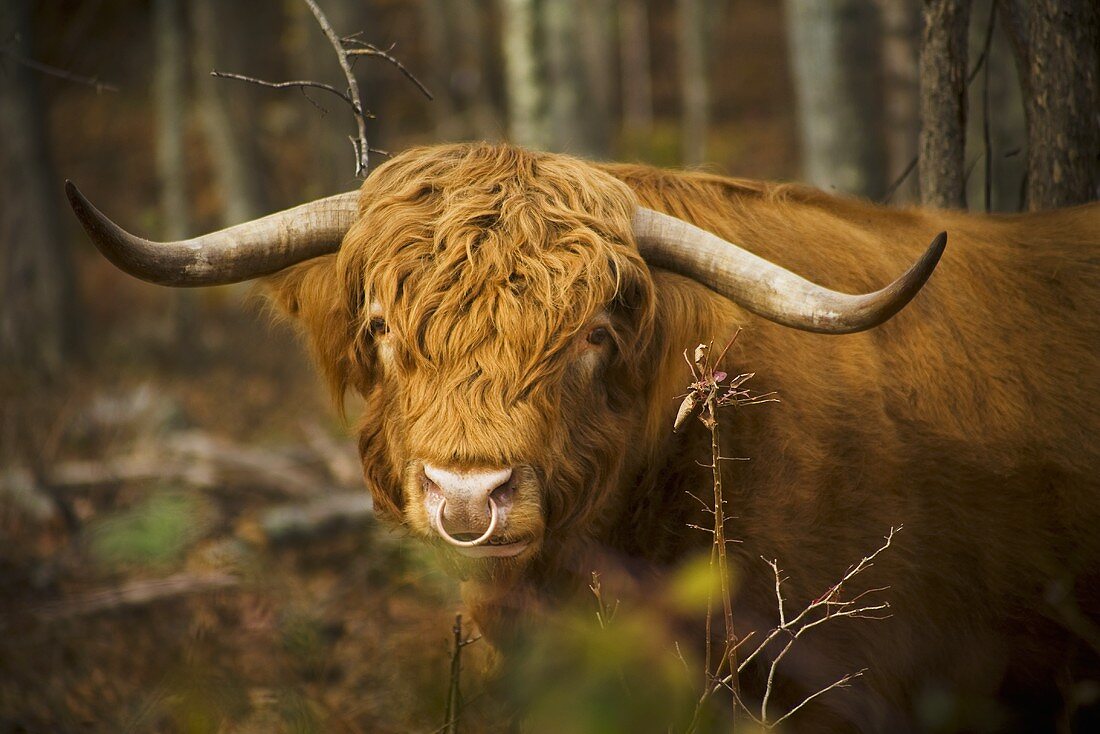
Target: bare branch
296	84
369	49
91	81
362	147
841	683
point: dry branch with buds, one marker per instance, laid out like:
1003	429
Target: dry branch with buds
708	392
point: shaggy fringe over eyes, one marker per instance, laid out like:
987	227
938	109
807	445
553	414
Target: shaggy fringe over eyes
462	245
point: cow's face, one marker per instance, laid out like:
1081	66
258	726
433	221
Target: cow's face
496	315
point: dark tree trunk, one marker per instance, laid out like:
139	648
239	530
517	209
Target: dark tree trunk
943	69
439	34
456	33
1058	54
37	295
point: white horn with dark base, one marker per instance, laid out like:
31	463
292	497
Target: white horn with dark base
231	255
767	289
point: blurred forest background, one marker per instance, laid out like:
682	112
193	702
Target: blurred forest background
184	540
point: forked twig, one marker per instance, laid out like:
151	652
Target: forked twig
351	96
362	48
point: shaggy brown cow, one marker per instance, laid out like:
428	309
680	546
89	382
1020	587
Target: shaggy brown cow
515	323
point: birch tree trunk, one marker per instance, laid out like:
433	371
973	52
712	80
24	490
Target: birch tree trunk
694	80
637	80
37	313
836	83
943	70
524	73
565	72
169	93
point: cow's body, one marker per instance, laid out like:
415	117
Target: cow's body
971	419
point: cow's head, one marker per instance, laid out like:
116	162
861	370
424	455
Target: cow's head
495	308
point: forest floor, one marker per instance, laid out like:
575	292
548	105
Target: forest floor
190	548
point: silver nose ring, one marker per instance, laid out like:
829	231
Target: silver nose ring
437	519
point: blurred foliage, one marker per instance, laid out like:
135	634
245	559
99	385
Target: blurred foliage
154	533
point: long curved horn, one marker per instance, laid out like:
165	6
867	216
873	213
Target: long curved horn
765	288
241	252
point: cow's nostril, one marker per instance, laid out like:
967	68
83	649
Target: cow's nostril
505	493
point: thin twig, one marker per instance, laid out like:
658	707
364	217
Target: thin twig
369	49
91	81
295	84
899	180
842	683
454	693
986	140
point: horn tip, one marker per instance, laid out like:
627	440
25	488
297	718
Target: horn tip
77	200
935	250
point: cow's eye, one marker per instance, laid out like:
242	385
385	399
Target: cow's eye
599	335
377	326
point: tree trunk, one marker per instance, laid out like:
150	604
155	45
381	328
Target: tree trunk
694	80
637	80
901	94
836	81
169	93
524	73
471	78
171	106
439	35
37	293
943	69
233	157
597	62
1058	47
456	37
996	115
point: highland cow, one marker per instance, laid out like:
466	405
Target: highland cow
515	323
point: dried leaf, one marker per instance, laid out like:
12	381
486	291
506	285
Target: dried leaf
687	407
701	356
